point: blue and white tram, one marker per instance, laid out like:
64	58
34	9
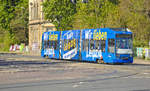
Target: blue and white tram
102	45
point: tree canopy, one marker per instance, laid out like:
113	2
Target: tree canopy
59	12
13	22
76	14
132	14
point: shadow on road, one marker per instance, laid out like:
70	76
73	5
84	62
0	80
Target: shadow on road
136	64
8	63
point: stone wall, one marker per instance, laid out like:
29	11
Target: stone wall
37	25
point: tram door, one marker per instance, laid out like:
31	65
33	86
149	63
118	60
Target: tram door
110	50
103	49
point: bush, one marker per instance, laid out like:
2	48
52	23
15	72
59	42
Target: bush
6	40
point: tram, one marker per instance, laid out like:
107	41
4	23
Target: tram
102	45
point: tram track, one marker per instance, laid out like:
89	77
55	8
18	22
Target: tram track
106	72
72	81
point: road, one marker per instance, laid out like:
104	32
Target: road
31	73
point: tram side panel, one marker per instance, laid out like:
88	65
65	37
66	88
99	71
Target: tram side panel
42	50
109	51
50	44
70	44
93	44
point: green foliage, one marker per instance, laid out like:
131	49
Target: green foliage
59	12
6	14
19	23
13	22
138	20
5	40
97	13
132	14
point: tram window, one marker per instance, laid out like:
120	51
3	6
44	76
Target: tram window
45	44
86	44
50	44
91	44
76	43
111	45
83	45
70	47
103	44
97	44
71	44
55	44
65	42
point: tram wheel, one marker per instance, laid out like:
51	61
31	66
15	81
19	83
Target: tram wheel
46	57
100	61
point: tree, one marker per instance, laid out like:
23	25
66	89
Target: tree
132	14
6	8
60	13
12	18
19	23
137	19
6	14
95	13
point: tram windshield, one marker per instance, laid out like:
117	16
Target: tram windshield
124	46
124	43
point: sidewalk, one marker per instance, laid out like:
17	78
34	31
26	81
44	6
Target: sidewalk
141	61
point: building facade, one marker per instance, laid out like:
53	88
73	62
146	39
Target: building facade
37	25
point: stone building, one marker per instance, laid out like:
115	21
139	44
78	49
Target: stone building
37	25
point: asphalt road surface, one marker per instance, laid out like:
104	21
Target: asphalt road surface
33	73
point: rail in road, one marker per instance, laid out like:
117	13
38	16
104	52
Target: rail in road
73	72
